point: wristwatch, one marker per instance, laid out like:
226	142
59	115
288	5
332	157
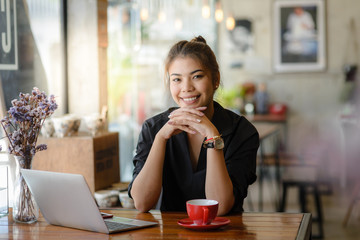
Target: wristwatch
215	142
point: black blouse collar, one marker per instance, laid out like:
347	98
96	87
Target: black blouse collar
221	119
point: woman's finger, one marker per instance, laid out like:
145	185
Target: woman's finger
201	108
186	119
195	111
184	128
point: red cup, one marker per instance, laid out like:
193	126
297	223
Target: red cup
202	211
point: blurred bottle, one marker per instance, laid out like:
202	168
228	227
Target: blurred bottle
261	99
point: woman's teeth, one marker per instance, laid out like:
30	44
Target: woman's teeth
189	99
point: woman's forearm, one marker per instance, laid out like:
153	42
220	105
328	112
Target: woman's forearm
146	187
218	185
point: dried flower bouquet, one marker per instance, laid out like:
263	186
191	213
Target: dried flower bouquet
22	127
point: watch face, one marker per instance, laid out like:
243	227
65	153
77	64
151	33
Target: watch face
219	143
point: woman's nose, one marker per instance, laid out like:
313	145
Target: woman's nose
187	86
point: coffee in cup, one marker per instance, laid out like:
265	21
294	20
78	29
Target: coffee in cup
202	211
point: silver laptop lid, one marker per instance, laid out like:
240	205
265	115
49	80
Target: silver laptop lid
65	200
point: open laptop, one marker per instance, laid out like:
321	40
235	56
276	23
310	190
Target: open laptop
65	200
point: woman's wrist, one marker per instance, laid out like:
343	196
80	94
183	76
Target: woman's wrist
160	138
211	134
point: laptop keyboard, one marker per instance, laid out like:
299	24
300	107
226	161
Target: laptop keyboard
115	226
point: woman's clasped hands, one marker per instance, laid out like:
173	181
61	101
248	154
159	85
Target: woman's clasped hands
187	119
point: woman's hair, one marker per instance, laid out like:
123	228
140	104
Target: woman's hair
197	49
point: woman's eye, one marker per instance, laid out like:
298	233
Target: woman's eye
175	79
198	76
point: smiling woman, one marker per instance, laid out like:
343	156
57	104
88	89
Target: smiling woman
198	150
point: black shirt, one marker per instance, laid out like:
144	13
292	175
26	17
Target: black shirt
180	182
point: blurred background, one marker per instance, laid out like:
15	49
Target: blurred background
109	53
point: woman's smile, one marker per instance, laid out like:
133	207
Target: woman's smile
190	100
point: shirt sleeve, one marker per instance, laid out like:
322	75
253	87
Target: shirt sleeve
146	139
241	161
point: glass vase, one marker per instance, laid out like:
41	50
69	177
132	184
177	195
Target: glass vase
25	209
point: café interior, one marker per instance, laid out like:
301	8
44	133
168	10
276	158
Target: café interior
103	61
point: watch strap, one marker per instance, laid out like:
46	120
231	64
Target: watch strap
214	142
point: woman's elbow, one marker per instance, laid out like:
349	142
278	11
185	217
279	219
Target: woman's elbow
142	207
225	207
223	210
144	202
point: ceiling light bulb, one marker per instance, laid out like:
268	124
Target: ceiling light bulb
206	11
178	24
162	16
219	15
230	23
144	14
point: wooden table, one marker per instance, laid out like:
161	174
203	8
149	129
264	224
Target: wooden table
243	226
279	119
266	131
274	118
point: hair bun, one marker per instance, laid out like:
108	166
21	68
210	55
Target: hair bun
199	39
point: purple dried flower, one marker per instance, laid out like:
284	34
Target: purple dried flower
24	121
41	147
19	116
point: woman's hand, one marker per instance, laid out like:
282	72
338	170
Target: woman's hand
190	120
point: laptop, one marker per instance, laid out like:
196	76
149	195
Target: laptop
65	200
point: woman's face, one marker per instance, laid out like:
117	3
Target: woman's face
190	84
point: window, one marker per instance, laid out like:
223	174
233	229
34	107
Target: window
36	39
140	35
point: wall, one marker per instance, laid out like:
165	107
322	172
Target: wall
30	70
312	98
83	65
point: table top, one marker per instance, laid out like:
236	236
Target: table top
242	226
266	129
274	118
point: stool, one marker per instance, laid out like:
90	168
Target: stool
305	177
304	187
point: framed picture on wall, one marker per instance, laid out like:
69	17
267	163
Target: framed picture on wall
299	35
240	42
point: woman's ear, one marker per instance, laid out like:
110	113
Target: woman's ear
217	81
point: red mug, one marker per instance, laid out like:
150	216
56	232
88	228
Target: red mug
202	211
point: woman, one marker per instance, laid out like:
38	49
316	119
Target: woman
198	150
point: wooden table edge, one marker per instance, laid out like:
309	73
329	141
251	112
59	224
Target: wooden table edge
305	227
